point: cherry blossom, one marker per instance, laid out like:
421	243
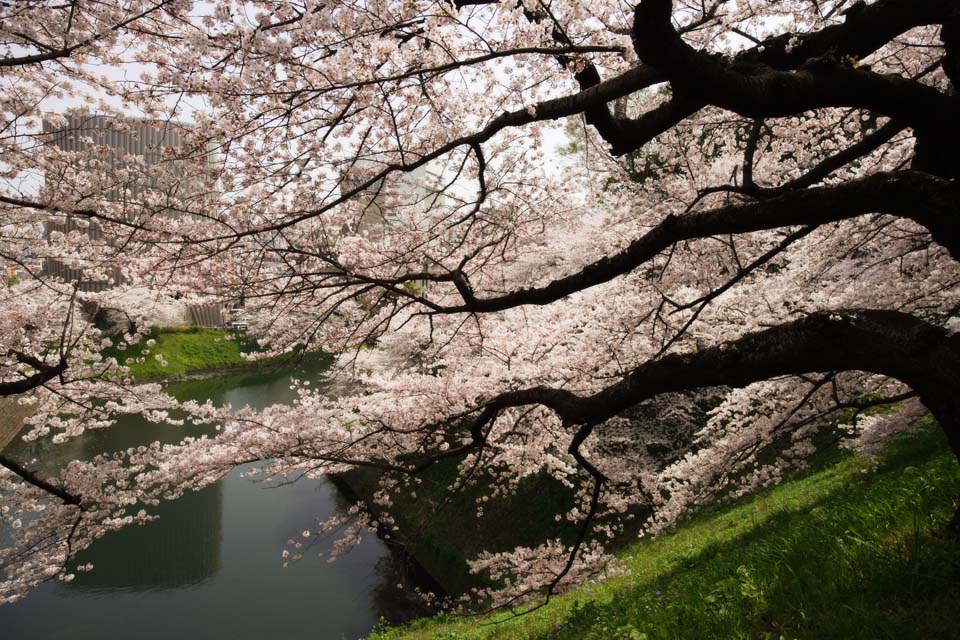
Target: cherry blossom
747	247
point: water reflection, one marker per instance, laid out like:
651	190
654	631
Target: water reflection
184	550
210	567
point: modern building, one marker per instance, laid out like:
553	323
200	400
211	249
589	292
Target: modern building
139	167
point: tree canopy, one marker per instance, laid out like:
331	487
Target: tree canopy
758	211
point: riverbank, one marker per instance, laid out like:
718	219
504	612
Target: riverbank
190	353
187	351
853	550
184	354
442	531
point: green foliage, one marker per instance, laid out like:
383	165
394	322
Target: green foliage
185	349
849	551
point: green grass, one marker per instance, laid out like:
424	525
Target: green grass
848	551
186	349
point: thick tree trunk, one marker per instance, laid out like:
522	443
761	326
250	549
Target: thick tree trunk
824	79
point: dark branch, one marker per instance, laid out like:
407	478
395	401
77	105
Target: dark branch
760	91
925	199
751	87
890	343
44	373
32	478
863	32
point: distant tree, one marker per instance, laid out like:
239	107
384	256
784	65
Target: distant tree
775	214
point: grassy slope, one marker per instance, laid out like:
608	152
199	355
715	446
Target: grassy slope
845	552
187	349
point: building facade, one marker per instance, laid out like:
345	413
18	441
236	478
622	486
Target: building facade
138	167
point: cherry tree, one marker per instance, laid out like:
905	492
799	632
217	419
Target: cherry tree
760	204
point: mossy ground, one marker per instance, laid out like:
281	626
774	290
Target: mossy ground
852	550
188	349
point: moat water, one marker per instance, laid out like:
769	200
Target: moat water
211	566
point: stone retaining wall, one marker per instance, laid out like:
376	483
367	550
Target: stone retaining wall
12	415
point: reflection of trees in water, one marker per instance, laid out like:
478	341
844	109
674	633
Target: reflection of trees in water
396	604
182	548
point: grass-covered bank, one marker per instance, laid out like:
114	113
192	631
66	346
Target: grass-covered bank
848	552
189	350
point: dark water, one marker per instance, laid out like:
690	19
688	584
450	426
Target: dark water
211	566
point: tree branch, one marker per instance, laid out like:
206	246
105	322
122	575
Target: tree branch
925	199
890	343
31	478
751	87
44	374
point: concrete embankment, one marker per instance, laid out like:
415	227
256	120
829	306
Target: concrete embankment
204	374
442	529
12	415
348	484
